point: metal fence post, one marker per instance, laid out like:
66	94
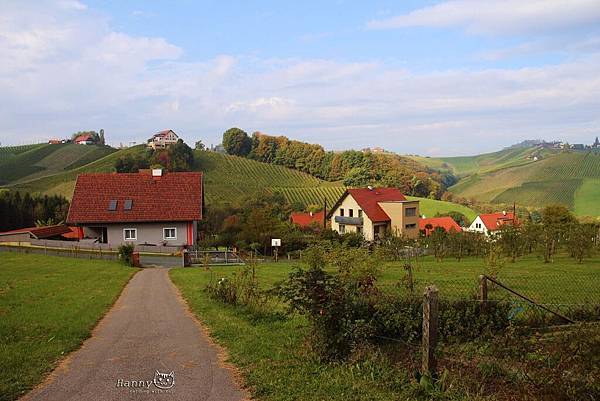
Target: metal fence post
430	329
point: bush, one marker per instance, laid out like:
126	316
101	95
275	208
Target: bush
347	312
126	254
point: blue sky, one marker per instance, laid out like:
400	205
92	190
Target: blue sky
427	77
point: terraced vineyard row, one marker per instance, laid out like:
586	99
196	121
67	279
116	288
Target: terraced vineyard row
8	152
311	196
542	193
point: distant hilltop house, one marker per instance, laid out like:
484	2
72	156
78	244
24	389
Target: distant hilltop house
150	207
596	144
374	212
162	139
488	223
305	220
56	141
85	139
446	223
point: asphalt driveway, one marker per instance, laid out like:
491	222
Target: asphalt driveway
148	334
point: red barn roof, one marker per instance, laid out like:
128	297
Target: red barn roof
368	200
171	197
446	222
493	221
306	219
82	138
41	232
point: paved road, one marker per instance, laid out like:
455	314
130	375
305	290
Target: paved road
149	329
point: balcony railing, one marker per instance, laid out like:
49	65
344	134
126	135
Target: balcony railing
351	221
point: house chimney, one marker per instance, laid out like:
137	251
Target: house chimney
157	173
311	213
504	212
370	188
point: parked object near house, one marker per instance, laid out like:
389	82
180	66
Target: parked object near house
309	219
447	223
162	139
26	234
146	208
488	223
373	212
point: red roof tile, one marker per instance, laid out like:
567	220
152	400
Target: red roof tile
306	219
82	138
172	197
368	200
41	232
446	222
493	221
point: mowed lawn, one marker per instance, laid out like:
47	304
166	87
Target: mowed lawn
48	307
271	352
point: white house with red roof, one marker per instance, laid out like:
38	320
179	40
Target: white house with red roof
162	139
150	207
375	212
84	139
488	223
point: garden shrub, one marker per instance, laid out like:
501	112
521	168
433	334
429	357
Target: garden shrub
126	253
347	312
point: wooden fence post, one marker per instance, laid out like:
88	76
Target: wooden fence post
483	289
430	328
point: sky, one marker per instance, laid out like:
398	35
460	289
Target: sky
438	78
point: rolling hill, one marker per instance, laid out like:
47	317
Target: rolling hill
36	161
228	179
571	179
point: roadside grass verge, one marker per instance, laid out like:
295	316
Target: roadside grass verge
271	354
48	307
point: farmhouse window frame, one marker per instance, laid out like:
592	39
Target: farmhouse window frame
130	234
166	233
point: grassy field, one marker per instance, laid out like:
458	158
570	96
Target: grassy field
431	207
48	307
272	357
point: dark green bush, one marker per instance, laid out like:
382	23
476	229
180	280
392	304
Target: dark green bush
126	254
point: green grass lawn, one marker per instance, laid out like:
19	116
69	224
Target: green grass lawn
48	307
272	356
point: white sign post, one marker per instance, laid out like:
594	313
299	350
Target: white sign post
275	243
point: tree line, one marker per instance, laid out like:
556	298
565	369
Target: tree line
354	168
18	210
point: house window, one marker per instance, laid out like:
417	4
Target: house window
169	233
477	225
410	226
130	234
359	213
351	212
341	212
410	211
359	230
342	229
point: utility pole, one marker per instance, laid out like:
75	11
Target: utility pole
324	213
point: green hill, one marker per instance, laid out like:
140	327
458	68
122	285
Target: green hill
229	179
36	161
487	162
568	178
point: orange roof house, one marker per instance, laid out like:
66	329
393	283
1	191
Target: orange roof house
307	219
490	222
375	212
447	223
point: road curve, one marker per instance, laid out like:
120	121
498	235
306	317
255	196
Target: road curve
148	329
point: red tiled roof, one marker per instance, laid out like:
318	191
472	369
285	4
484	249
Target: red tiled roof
164	133
41	232
172	197
74	233
493	221
306	219
82	138
368	200
446	222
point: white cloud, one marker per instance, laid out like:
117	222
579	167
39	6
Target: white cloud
511	17
64	72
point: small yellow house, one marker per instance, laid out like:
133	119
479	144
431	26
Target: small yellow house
373	212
